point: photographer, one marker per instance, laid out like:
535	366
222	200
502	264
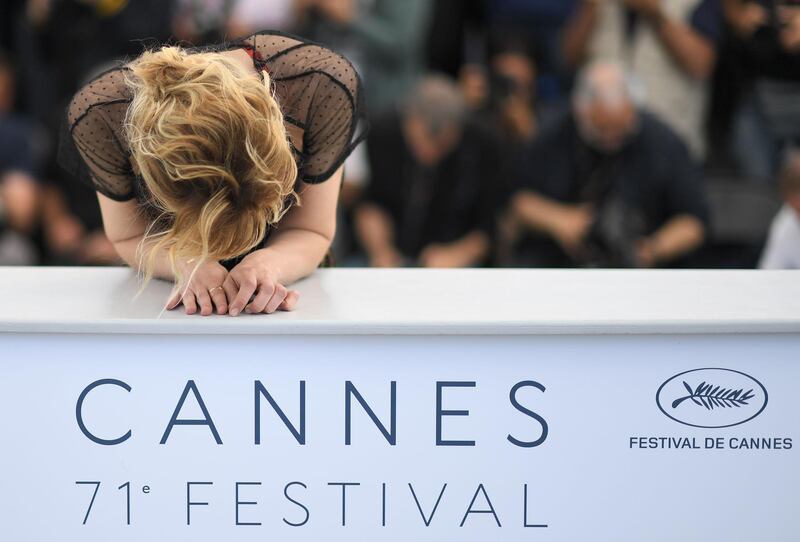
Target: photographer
671	45
512	81
435	179
764	49
607	185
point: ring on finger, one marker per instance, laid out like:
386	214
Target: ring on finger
211	291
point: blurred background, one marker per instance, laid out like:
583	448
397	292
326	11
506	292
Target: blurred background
505	133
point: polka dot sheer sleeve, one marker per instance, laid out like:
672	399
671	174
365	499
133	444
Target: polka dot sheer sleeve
91	145
333	122
321	94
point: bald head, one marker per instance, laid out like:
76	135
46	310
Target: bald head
435	113
437	101
605	106
605	83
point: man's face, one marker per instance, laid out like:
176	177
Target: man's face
429	149
607	127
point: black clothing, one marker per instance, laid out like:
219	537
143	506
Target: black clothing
634	191
16	145
451	23
318	90
77	39
438	204
763	54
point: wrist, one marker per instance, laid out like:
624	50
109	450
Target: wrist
268	260
184	267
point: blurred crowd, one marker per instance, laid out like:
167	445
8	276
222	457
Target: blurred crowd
507	133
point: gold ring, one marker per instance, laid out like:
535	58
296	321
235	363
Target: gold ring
215	288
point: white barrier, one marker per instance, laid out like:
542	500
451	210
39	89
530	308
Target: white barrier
433	405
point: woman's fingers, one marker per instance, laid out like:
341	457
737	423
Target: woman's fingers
246	289
277	298
189	302
204	300
173	301
220	299
231	289
290	301
268	299
259	303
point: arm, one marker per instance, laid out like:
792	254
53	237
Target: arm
19	194
693	52
679	236
567	224
63	232
375	230
125	228
19	189
467	251
109	171
304	235
685	204
578	32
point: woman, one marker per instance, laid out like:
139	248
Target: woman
219	167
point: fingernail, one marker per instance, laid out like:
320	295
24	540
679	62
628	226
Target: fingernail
234	312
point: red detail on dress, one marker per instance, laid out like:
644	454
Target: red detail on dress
255	55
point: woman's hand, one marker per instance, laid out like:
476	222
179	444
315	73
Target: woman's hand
205	290
254	278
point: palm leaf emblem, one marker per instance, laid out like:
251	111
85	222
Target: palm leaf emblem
711	397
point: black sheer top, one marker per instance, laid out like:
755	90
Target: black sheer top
318	90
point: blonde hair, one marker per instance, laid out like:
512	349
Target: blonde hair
211	145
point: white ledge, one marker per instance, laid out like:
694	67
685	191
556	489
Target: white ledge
417	301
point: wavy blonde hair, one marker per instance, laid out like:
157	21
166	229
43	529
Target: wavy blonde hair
210	141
